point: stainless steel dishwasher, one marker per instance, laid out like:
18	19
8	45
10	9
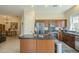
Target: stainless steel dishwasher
77	42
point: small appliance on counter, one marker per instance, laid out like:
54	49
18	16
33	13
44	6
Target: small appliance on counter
40	30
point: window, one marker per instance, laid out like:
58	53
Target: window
74	23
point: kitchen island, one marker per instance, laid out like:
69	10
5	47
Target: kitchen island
31	44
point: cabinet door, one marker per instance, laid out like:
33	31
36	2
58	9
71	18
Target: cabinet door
72	41
69	40
27	46
60	36
45	46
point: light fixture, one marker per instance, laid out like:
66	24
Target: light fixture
60	5
57	5
46	6
32	6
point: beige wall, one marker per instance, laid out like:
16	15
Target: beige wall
2	20
10	19
72	11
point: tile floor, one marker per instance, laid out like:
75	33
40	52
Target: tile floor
67	49
11	45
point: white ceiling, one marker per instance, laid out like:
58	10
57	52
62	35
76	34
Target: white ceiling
17	10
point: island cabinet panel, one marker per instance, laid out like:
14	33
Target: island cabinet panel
45	46
36	46
27	46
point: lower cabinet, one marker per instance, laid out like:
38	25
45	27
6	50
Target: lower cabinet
69	39
37	46
45	46
60	36
27	46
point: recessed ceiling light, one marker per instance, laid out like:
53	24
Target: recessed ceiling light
46	6
32	6
60	5
5	16
57	5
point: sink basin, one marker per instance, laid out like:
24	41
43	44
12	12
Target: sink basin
43	36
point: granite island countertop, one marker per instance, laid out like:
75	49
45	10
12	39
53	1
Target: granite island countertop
26	36
34	37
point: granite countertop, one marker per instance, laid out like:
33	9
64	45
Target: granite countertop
26	36
34	37
72	32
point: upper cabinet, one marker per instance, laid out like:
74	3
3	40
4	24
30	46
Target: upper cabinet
58	22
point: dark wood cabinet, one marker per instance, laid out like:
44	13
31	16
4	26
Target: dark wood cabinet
56	22
60	35
69	39
2	33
